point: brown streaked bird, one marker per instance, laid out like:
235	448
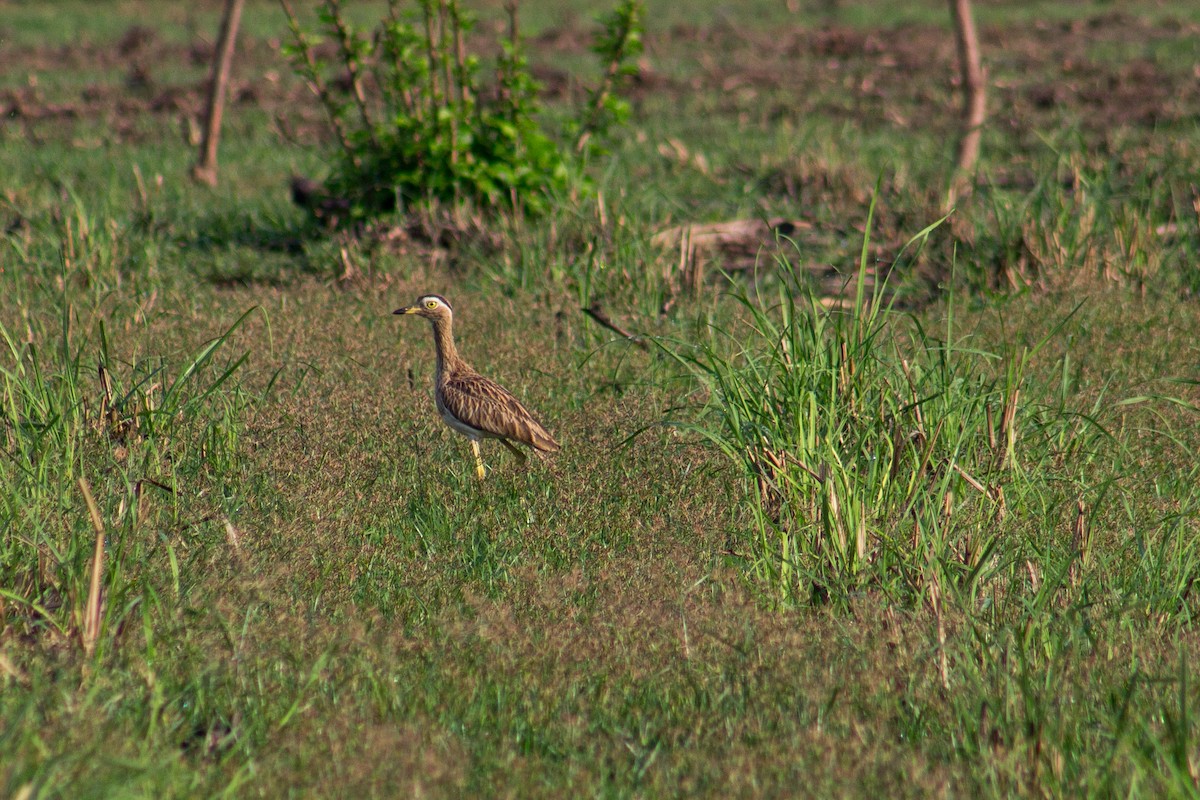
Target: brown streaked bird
475	406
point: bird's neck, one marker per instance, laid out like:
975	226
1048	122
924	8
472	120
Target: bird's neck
443	341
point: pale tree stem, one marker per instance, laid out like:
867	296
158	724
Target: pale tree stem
205	169
974	87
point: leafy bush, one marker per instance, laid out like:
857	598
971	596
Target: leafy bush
419	122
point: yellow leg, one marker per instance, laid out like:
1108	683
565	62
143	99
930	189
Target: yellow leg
516	452
478	459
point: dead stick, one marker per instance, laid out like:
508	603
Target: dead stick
597	313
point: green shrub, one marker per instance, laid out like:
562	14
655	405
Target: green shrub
419	122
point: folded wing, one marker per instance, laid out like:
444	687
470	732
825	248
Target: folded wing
489	407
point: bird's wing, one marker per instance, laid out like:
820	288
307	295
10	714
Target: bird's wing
488	406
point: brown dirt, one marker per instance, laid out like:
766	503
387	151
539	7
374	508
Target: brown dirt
1038	74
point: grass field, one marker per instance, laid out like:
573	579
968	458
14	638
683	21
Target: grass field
943	544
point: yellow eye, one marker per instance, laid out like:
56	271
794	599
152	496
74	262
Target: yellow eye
431	303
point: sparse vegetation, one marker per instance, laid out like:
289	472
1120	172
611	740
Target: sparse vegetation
933	536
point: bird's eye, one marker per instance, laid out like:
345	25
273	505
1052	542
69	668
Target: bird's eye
431	303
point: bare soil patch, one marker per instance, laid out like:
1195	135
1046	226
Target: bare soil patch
1039	74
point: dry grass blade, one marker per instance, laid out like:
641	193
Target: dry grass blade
834	519
1008	434
1082	537
991	427
1035	577
975	484
10	671
916	399
997	495
92	613
1079	537
935	603
234	539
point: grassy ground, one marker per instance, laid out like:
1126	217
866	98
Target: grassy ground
304	590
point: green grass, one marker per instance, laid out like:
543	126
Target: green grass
304	590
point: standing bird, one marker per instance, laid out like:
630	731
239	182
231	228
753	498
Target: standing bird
471	404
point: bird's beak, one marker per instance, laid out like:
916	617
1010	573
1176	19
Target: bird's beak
406	310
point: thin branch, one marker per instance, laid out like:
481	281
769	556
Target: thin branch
596	312
318	85
404	92
351	59
510	68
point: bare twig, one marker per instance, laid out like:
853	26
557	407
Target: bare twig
596	312
514	32
404	92
351	59
318	85
205	169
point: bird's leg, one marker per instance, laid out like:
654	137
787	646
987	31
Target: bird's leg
478	459
515	451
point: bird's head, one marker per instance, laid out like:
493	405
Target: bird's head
429	306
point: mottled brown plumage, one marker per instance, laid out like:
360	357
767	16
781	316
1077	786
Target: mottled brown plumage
471	404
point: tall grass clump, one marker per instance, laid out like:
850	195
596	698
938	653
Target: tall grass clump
100	460
877	455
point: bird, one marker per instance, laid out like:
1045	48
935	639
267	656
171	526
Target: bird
475	406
